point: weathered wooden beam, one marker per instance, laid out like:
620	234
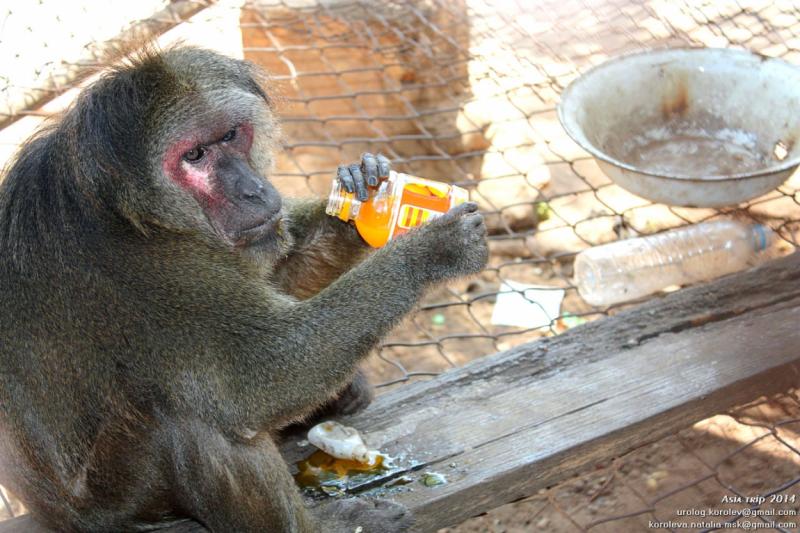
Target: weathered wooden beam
507	425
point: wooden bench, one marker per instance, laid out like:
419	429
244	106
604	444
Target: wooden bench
507	425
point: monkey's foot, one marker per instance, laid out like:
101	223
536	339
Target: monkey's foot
371	515
357	395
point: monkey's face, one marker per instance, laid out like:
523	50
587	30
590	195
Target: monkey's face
213	163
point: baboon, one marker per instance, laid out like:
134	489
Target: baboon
164	312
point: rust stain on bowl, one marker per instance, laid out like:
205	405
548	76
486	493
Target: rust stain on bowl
676	103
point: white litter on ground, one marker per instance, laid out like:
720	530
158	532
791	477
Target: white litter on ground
526	306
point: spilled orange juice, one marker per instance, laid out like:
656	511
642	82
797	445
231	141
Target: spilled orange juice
396	205
321	469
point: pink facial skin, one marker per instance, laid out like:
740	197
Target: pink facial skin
199	177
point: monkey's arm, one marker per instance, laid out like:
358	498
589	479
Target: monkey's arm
324	337
324	248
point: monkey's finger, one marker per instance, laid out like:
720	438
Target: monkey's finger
361	186
383	166
369	165
465	208
344	177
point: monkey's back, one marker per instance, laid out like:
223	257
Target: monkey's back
55	387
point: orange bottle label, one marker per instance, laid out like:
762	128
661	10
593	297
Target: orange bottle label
411	217
422	200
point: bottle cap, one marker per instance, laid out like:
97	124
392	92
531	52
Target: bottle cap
341	203
762	237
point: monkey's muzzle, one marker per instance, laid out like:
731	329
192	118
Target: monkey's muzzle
253	207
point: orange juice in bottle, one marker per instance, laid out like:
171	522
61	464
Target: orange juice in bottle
396	205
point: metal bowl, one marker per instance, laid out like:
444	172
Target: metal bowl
691	127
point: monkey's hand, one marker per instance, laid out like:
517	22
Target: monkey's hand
357	177
449	246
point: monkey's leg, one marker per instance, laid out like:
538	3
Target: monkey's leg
334	330
235	486
324	248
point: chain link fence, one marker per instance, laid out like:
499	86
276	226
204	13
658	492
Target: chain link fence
465	91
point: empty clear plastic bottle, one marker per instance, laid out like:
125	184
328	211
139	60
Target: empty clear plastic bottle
632	268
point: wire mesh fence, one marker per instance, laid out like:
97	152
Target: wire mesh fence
465	91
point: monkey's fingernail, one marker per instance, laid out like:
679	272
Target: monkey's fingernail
383	166
369	166
345	178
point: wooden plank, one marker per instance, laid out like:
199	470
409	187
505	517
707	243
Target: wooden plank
507	425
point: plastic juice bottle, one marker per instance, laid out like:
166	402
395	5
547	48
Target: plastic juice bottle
396	205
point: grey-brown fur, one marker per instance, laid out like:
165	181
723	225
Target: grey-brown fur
147	361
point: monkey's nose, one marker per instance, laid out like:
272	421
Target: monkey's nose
252	190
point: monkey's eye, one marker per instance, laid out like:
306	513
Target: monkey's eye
195	154
229	136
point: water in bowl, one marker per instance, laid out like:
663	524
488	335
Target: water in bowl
696	149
